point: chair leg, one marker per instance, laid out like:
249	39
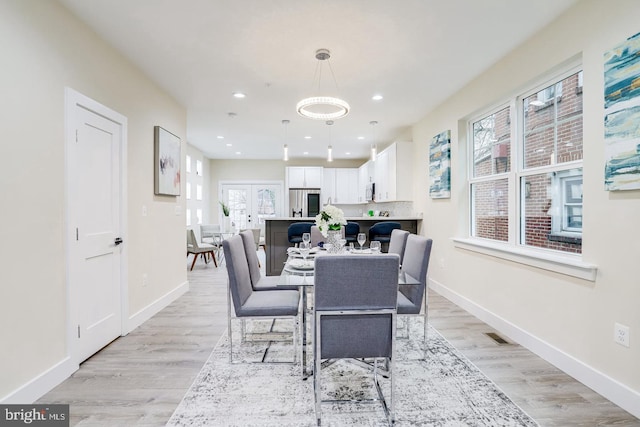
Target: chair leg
213	255
195	258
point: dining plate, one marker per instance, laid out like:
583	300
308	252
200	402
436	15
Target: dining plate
361	251
313	250
299	264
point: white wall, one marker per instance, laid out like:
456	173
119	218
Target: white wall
45	49
569	321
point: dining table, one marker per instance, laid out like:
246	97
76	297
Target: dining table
299	271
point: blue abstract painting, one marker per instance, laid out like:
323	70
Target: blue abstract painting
622	115
440	166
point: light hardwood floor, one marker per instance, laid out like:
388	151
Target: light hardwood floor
139	379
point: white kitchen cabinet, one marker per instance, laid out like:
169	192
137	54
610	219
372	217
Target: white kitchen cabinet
328	186
304	177
393	177
365	179
346	186
341	185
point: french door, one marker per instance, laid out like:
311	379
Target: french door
249	204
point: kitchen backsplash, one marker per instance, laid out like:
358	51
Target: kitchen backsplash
394	208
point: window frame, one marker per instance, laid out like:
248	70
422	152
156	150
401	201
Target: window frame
514	248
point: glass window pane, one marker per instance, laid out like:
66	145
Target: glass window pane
198	192
188	216
552	210
238	208
188	190
492	144
199	216
553	124
188	164
198	167
490	209
266	204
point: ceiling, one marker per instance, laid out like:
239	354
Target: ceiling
415	53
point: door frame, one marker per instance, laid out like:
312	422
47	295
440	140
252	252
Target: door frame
74	99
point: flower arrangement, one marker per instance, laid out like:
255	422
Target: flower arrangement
330	218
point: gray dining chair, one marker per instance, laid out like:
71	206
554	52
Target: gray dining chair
411	297
195	248
258	281
250	304
355	301
397	242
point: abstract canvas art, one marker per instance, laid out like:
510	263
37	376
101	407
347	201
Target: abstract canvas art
167	163
622	115
440	166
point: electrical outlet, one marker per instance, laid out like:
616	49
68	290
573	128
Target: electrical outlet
621	334
145	280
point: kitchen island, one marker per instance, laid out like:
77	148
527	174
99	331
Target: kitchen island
277	239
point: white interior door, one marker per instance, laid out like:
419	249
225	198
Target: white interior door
95	251
250	204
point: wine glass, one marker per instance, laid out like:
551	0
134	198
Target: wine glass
361	239
342	242
304	249
375	246
306	237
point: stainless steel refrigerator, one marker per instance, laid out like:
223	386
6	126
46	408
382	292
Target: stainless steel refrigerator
304	202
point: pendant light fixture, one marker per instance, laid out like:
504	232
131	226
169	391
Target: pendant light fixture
330	147
285	147
323	107
374	148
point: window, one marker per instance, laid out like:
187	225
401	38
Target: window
198	167
188	164
198	192
525	180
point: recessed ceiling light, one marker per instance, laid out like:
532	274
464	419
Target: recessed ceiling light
377	97
229	144
361	137
239	95
307	137
238	152
347	153
220	137
306	153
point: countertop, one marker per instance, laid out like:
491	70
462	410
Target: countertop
348	218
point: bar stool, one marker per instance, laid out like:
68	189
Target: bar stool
296	230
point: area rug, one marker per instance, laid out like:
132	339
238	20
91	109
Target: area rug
445	390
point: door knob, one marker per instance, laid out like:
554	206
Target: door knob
117	241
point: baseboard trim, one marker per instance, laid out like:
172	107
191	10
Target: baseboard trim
618	393
45	382
150	310
41	384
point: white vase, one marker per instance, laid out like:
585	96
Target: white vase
333	241
226	225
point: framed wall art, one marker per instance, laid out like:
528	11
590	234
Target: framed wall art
440	166
622	115
167	163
